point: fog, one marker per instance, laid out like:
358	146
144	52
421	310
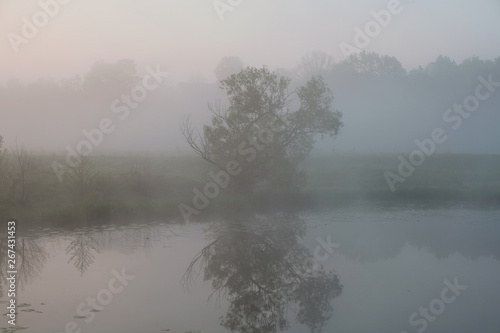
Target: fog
383	111
250	166
52	87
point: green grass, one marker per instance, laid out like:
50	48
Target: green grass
151	188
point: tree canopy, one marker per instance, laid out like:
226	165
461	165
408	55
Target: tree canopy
265	129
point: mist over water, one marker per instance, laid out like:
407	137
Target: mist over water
235	166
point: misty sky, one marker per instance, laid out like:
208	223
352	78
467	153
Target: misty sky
188	37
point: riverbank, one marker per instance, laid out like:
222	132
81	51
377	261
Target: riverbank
152	188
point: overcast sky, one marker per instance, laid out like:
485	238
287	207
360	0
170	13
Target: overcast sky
187	36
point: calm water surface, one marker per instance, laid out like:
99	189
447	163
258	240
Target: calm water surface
363	270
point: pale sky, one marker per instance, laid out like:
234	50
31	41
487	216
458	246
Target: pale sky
187	36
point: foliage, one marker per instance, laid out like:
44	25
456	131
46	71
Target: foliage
314	63
376	65
121	75
260	116
334	180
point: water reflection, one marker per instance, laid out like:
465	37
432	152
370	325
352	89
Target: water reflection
30	258
259	267
82	251
262	269
369	237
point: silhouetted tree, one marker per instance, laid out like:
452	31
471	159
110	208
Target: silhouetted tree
260	132
376	65
314	63
110	80
72	84
442	67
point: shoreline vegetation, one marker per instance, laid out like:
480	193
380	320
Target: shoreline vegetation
150	188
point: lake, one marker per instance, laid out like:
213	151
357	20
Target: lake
345	270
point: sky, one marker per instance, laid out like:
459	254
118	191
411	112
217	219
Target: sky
189	37
59	39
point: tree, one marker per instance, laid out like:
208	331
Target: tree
23	173
314	63
376	65
81	175
105	79
73	84
260	133
442	67
228	66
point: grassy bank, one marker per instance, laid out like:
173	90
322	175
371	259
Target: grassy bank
126	188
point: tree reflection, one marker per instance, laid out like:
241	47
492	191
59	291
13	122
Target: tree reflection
263	270
31	256
81	250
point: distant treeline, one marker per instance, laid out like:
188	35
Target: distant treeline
364	67
385	106
385	109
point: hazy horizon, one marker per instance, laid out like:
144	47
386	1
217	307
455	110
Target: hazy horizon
188	40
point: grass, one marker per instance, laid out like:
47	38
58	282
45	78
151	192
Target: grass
151	188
